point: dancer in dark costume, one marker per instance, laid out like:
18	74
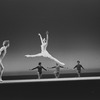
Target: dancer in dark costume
39	67
78	67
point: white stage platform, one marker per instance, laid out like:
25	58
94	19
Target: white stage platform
49	80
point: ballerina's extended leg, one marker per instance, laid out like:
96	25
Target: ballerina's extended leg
36	55
51	57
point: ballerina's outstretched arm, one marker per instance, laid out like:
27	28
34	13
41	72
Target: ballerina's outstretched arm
51	67
47	37
61	67
41	38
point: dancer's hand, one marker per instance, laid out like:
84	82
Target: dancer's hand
39	34
47	32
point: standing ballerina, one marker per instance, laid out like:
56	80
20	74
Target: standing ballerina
44	52
3	51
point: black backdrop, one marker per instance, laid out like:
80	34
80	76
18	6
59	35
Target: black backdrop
65	90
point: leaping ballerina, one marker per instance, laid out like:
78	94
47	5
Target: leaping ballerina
3	51
44	52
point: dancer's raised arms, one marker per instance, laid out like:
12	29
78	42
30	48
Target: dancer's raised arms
47	37
41	38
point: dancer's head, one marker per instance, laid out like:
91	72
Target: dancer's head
57	64
6	43
39	63
78	62
44	40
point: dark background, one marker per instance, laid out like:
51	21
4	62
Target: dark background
67	90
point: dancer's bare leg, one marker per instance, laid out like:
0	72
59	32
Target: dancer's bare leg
36	55
56	74
79	73
1	70
39	75
51	57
